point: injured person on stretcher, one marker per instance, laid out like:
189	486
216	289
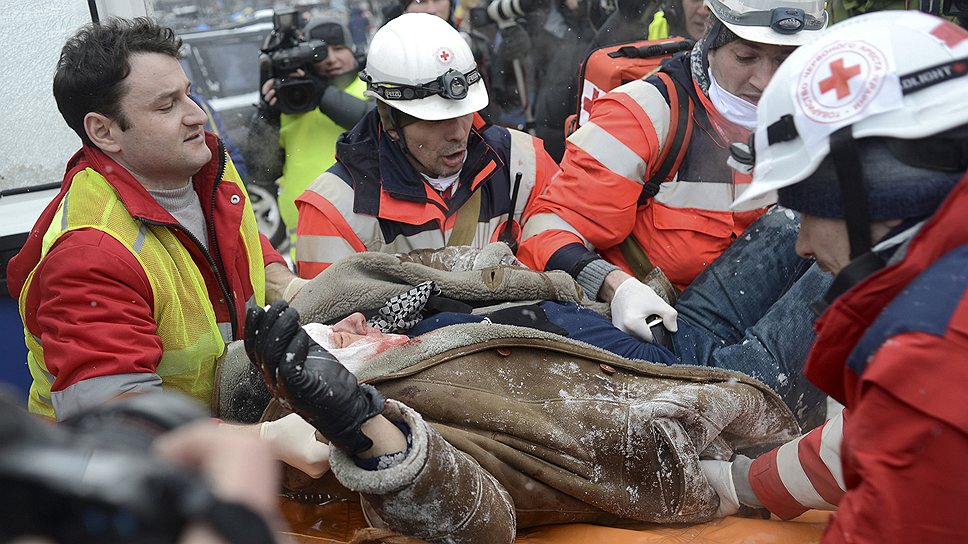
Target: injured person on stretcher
489	425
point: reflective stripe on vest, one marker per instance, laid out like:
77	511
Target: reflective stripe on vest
191	338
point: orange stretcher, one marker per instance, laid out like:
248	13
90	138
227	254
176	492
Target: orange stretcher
336	522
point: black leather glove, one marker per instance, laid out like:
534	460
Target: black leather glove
515	43
308	379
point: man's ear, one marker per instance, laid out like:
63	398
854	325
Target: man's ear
393	134
102	130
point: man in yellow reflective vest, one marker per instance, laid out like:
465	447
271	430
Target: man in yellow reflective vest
139	272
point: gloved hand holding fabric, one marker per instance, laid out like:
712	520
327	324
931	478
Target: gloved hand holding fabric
721	480
632	304
308	379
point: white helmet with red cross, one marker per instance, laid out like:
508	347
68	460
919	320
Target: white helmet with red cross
421	65
894	74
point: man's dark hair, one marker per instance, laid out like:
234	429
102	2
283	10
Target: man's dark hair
95	61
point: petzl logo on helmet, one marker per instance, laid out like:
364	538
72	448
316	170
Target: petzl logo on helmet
444	56
840	81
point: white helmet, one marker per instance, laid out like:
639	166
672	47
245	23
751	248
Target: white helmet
777	22
421	65
893	74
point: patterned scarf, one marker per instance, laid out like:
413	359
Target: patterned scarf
401	312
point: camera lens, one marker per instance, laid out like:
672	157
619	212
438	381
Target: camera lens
297	95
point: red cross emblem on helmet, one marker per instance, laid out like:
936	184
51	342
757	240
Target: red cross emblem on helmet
840	81
444	56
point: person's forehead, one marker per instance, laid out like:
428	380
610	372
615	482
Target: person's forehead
152	76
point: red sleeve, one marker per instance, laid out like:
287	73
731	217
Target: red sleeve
269	253
92	308
598	201
904	471
802	474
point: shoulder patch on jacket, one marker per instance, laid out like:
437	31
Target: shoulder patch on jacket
925	305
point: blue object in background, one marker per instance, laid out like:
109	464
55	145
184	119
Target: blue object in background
13	365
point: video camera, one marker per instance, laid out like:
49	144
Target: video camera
504	12
285	51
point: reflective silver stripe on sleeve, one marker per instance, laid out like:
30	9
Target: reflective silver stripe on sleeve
795	479
340	195
648	97
548	221
322	249
93	391
707	195
830	441
609	151
225	329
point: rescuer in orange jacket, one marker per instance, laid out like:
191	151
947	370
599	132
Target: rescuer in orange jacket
424	170
594	204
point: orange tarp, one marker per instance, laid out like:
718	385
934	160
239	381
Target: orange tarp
336	522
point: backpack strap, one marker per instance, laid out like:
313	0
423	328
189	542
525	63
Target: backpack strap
676	144
670	158
465	224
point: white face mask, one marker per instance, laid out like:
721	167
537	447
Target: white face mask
733	108
354	356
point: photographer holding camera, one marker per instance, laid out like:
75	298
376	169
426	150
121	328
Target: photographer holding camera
310	95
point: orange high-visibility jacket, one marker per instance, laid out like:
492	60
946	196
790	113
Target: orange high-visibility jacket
593	203
372	199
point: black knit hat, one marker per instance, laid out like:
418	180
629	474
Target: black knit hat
895	190
330	31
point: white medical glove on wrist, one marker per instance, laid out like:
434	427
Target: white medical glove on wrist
292	289
633	303
720	478
294	442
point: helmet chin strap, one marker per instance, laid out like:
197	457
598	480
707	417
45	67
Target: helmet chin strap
850	177
401	142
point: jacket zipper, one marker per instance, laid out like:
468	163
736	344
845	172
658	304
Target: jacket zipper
213	264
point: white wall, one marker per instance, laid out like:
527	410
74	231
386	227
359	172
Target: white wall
35	143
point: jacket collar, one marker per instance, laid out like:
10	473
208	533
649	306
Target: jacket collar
131	192
707	116
387	172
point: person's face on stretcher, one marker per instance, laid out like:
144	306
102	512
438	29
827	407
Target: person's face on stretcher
353	341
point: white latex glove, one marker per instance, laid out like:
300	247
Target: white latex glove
294	442
720	478
633	302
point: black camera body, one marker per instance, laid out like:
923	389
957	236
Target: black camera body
285	51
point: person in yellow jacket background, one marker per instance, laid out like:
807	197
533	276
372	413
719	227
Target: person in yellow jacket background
307	140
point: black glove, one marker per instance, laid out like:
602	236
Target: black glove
308	379
515	43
